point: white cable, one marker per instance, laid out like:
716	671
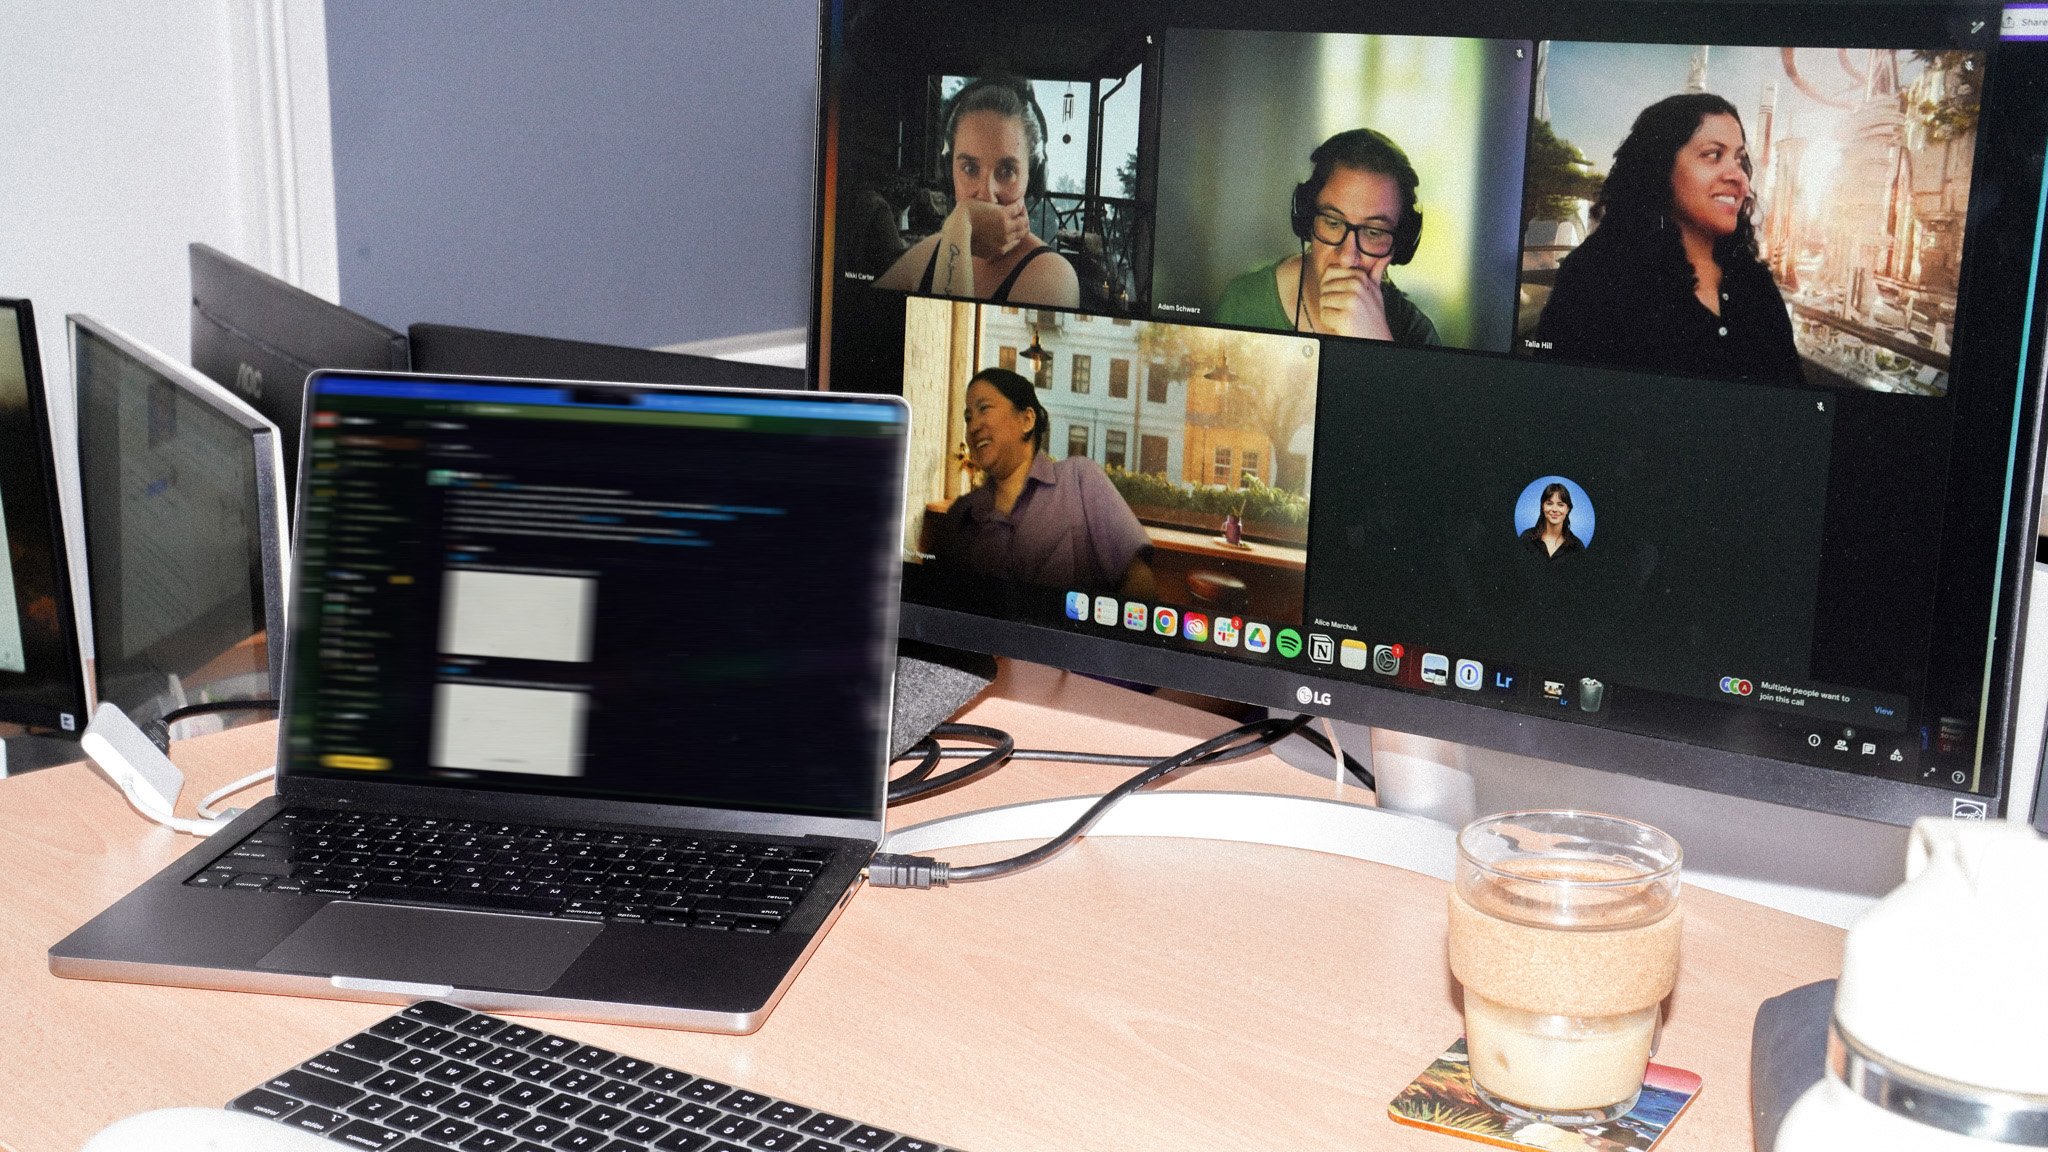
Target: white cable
155	812
252	779
1337	758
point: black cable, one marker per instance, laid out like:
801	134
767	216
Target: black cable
190	710
1311	734
893	871
920	782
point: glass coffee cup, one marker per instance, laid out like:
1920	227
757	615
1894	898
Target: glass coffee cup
1564	933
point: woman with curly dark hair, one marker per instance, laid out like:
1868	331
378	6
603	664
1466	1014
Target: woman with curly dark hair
1669	280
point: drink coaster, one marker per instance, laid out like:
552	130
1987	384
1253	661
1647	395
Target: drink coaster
1442	1100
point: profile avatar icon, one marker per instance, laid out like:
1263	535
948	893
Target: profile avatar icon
1554	518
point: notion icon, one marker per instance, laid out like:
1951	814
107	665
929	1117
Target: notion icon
1436	668
1470	675
1322	649
1165	621
1258	637
1077	605
1353	654
1105	611
1135	616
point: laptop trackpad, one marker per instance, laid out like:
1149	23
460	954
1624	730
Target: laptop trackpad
433	946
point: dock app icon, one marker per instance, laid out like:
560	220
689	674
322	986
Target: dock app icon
1077	605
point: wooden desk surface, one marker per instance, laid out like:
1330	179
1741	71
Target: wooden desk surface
1132	994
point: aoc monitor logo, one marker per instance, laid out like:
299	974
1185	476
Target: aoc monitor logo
1734	686
1308	696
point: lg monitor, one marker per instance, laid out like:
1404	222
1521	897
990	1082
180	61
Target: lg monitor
259	336
183	501
42	675
452	349
1647	388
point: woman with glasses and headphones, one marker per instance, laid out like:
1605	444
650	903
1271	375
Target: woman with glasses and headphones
1355	217
995	150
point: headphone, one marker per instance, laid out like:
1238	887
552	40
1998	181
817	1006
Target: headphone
1372	151
1034	182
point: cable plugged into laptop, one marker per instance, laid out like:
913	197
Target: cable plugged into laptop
888	870
146	776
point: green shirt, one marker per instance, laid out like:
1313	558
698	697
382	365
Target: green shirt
1253	301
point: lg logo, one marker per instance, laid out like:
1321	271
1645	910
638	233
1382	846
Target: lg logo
1308	696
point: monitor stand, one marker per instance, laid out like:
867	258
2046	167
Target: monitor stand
26	752
1823	867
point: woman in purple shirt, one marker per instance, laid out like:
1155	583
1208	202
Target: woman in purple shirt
1036	520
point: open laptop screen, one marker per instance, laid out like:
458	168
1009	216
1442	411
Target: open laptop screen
684	596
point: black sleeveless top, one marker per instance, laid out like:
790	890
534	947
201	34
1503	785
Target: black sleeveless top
1002	293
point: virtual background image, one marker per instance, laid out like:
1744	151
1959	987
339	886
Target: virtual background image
1862	176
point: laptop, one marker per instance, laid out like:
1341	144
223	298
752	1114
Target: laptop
587	706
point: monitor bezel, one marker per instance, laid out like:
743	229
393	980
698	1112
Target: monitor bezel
266	448
1745	775
43	418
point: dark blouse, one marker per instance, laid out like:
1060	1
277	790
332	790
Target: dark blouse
1533	539
1610	306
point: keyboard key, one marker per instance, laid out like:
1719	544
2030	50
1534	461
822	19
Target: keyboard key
776	1140
264	1103
869	1138
373	1107
320	1120
826	1125
488	1141
365	1046
410	1118
581	1140
708	1092
305	1086
733	1127
643	1130
363	1134
744	1103
784	1113
542	1128
448	1131
604	1118
663	1080
502	1116
436	1013
681	1141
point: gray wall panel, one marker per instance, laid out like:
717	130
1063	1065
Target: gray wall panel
629	171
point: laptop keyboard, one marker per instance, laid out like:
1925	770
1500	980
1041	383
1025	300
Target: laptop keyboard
439	1077
726	885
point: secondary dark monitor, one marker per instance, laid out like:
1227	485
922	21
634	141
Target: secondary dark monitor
183	500
1713	463
455	350
259	336
42	676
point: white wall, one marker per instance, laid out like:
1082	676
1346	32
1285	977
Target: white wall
129	128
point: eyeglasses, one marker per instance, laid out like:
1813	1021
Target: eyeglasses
1334	230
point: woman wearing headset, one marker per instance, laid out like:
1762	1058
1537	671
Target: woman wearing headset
1356	217
995	142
